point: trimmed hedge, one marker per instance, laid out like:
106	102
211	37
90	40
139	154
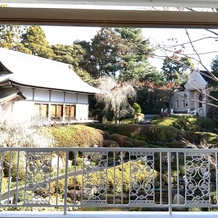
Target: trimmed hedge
207	137
191	136
154	133
188	123
77	135
125	141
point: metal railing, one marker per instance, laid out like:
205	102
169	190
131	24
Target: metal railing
67	179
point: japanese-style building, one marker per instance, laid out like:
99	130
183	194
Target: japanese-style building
31	86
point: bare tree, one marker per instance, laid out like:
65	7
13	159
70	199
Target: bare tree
175	51
114	94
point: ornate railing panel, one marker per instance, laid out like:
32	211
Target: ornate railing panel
72	178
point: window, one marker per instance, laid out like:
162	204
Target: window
70	111
41	110
56	111
177	103
183	103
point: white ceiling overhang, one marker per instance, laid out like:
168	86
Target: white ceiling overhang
126	13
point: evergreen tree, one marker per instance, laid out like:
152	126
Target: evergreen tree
119	52
69	54
134	51
175	68
10	38
104	59
75	56
35	40
214	74
85	63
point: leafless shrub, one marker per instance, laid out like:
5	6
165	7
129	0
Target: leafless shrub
21	134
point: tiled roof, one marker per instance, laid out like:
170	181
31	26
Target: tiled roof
35	71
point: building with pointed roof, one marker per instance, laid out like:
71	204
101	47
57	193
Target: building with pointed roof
193	98
33	86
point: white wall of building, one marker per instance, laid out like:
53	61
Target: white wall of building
41	95
23	110
57	96
70	97
28	92
82	98
82	112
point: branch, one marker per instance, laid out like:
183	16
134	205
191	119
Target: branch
185	43
187	33
211	31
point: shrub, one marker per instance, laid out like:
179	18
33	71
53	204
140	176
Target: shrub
130	130
187	123
137	108
159	133
174	144
140	144
128	144
21	134
191	136
207	137
120	139
134	120
77	135
124	141
110	143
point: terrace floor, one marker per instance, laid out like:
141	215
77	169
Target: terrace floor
111	214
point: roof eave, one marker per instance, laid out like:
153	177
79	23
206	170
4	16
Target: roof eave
15	83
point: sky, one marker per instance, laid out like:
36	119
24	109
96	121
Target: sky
67	35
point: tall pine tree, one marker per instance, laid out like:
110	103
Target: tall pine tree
35	40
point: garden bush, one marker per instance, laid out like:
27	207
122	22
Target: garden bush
125	141
128	144
15	133
140	144
191	136
159	133
120	139
207	137
130	130
175	144
133	120
121	175
137	108
187	123
77	135
110	143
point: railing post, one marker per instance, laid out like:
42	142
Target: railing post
169	184
216	175
66	183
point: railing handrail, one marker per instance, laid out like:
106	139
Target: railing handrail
191	150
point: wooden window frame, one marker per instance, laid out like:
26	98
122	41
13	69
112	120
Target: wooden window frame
70	106
40	111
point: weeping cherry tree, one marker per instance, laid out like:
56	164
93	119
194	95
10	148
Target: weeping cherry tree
115	95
